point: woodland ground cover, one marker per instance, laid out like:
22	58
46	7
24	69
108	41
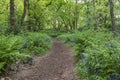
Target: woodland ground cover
98	54
21	47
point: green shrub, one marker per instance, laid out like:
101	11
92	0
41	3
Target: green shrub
10	47
97	53
53	33
14	48
36	43
64	38
100	61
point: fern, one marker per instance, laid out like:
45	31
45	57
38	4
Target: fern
36	43
10	50
97	53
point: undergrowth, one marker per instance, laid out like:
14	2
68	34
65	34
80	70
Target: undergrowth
10	47
97	52
53	33
19	47
36	43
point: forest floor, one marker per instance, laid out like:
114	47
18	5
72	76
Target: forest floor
57	64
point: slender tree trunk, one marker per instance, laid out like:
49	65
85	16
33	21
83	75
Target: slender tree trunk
24	13
73	22
76	15
28	7
59	25
94	14
12	16
105	19
87	13
65	25
112	16
54	24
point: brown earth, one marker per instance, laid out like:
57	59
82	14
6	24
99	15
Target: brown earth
57	64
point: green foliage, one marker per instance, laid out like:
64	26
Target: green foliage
100	61
61	14
97	53
10	47
65	37
53	33
14	48
36	43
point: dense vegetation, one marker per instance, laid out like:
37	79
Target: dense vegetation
91	27
21	47
97	54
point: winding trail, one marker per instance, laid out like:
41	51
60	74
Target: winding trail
57	64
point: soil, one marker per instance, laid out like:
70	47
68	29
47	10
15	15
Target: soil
57	64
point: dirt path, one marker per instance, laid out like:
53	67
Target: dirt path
57	64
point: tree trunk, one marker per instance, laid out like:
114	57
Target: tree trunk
54	24
112	16
28	7
94	14
87	13
76	14
59	25
105	19
12	16
24	13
